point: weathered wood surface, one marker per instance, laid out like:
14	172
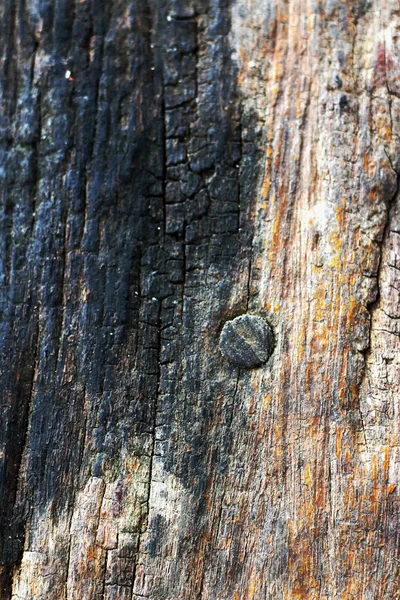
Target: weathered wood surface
166	166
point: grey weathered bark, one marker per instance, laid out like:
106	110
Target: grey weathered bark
168	165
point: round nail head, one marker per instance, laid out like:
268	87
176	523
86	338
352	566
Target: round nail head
247	341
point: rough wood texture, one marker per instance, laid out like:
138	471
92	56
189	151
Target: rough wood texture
168	165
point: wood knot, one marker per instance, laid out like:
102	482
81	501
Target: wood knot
247	341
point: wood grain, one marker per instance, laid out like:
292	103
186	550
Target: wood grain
167	166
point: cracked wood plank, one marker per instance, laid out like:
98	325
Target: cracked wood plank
165	167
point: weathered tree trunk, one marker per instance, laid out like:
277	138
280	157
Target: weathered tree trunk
168	165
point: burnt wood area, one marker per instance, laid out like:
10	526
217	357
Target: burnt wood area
167	166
